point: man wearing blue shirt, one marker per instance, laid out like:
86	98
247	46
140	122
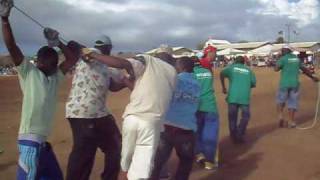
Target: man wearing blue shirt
180	123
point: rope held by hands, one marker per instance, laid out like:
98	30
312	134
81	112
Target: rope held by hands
34	20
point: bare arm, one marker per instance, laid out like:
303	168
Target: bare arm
116	86
128	83
277	68
308	73
222	80
71	58
10	42
114	62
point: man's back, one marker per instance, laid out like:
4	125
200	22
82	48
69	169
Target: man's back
241	80
290	69
152	91
207	97
185	102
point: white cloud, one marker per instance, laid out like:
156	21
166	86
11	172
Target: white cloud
133	5
138	25
180	32
305	12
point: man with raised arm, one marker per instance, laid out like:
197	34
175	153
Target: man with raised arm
152	90
39	84
92	123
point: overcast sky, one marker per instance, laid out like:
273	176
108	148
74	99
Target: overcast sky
140	25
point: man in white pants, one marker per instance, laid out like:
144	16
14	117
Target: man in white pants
143	116
151	94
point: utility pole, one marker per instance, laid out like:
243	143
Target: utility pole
288	31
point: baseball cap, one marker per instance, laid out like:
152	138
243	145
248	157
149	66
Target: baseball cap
163	48
199	55
286	46
209	49
103	40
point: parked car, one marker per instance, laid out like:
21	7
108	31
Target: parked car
261	63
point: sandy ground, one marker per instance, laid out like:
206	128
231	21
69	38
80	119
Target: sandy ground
269	154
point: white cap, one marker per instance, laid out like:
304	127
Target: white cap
164	49
286	46
200	54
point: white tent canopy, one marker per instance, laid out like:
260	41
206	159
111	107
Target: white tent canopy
263	51
230	51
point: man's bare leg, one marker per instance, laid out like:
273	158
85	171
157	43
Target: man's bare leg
280	109
123	175
292	123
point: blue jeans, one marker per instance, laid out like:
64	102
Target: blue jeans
207	134
183	142
238	130
37	162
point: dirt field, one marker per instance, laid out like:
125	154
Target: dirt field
270	153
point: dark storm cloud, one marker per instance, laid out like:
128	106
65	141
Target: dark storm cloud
176	22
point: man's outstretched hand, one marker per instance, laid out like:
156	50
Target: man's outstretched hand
5	7
52	37
86	54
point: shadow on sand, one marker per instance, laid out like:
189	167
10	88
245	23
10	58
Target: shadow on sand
236	167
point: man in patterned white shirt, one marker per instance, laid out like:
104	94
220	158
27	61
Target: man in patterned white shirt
91	122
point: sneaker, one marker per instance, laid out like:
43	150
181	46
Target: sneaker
200	158
210	166
292	125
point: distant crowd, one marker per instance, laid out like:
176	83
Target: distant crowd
7	70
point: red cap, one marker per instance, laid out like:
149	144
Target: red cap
209	49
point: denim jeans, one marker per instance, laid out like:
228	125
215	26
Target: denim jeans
183	141
238	130
289	96
88	136
207	134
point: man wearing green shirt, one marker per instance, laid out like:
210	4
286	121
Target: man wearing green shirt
39	84
241	80
207	119
290	66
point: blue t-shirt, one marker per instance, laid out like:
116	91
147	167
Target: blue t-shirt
184	103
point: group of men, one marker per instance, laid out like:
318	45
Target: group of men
172	105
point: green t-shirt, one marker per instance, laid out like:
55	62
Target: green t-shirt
207	98
39	99
241	80
290	69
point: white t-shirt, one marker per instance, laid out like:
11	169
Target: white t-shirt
154	85
90	86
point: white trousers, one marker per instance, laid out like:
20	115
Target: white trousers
140	140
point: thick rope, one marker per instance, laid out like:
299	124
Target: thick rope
35	21
315	120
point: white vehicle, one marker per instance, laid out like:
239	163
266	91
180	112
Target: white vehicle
262	64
